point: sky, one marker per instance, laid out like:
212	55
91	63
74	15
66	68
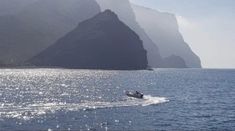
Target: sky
208	26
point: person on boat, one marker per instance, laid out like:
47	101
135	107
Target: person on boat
137	93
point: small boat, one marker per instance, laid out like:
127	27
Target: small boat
135	94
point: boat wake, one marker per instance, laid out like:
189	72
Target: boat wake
30	111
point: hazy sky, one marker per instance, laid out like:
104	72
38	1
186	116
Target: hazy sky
208	26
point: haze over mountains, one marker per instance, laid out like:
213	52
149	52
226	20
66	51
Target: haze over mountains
34	27
123	9
39	25
163	29
8	7
102	42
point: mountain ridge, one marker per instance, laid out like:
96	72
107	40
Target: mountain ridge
40	24
125	12
101	42
163	29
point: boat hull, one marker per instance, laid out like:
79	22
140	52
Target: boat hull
134	95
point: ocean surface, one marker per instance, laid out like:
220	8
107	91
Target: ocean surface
63	99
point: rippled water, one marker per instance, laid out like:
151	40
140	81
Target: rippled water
61	99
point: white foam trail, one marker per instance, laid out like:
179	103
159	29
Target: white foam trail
38	109
150	100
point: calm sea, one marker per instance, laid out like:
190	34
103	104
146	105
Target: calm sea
62	99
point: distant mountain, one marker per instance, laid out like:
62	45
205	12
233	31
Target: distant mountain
39	25
162	28
13	6
174	61
102	42
28	27
124	10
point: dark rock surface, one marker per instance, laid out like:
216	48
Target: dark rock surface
39	25
126	14
102	42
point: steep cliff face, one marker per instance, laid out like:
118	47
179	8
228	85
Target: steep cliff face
39	25
102	42
34	25
124	11
162	28
174	61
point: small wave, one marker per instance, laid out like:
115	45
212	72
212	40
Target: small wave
38	109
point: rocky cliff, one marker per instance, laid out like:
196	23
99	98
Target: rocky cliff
163	29
39	25
124	10
102	42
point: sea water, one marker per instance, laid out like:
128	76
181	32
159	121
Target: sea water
64	99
